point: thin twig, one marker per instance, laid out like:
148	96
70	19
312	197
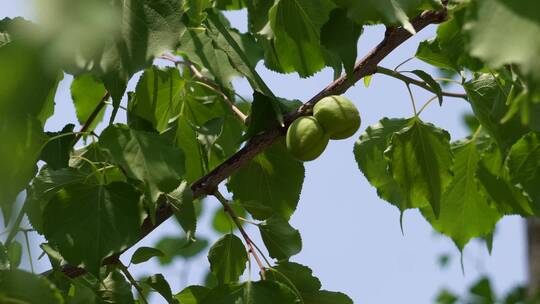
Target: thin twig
132	280
209	84
423	85
248	240
92	117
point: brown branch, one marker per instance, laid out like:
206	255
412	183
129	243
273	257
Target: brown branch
394	37
249	242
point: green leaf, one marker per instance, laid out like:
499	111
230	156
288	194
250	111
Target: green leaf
192	294
230	4
45	186
340	37
29	82
22	287
327	297
263	292
494	177
241	49
465	210
4	258
434	85
181	200
259	120
222	222
115	289
446	297
14	252
87	92
146	157
488	96
258	14
89	222
294	33
523	162
196	11
299	276
228	258
22	140
159	284
243	53
143	254
280	238
269	184
148	28
389	12
174	247
58	148
157	96
369	154
197	45
492	26
449	49
420	160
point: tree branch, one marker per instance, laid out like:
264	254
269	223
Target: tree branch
418	83
249	242
207	184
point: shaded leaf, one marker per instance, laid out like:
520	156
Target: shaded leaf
269	184
174	247
58	148
115	289
143	254
340	37
228	258
146	157
18	286
159	284
192	294
263	292
280	238
89	222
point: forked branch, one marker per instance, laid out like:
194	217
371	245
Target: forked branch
207	184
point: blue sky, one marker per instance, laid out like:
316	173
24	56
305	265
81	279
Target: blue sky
351	238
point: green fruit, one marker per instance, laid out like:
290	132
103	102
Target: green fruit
338	116
306	139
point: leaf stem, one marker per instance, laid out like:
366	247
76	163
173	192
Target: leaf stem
248	240
409	80
27	243
427	104
15	228
412	99
132	280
